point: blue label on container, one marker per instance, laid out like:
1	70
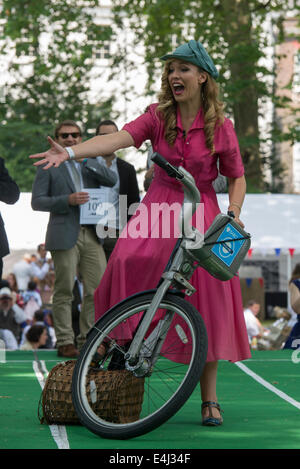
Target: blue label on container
228	250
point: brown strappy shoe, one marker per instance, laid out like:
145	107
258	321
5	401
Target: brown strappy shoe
211	421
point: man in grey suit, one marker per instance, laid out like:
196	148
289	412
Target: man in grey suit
75	248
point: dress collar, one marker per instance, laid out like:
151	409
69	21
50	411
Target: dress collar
197	124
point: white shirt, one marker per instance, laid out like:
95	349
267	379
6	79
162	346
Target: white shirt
23	273
39	272
251	324
112	193
78	167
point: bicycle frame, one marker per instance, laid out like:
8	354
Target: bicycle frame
177	276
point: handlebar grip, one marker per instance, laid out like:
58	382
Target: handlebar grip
171	170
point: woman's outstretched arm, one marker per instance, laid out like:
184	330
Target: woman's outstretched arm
96	146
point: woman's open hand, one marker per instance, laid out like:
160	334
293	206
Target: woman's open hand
52	157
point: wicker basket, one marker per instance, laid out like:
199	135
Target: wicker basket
116	396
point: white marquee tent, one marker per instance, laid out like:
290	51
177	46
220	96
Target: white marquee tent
272	219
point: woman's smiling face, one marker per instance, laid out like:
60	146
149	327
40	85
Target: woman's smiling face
185	80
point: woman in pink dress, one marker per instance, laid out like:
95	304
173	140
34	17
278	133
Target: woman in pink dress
188	128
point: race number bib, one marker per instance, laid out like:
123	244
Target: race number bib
95	210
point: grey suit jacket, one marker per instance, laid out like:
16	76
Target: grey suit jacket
50	193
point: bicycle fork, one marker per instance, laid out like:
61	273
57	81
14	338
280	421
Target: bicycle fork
142	354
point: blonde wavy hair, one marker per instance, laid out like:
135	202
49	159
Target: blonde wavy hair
212	108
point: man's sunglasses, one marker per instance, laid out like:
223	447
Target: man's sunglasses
66	135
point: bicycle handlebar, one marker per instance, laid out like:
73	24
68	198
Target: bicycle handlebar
190	189
171	170
185	178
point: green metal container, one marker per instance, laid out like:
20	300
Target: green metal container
225	247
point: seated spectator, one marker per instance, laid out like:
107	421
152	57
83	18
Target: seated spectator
36	337
40	319
9	339
30	268
13	286
32	292
43	273
47	288
12	282
39	267
48	319
32	302
23	272
254	327
12	317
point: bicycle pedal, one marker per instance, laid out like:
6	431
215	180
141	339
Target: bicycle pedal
189	289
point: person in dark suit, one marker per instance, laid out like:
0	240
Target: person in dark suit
126	187
75	248
9	194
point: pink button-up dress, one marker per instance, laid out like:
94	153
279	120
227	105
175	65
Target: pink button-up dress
137	263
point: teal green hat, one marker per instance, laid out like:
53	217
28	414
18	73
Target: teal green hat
194	53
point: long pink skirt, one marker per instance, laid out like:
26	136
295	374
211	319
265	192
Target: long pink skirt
137	263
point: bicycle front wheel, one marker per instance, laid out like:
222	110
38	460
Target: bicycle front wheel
153	396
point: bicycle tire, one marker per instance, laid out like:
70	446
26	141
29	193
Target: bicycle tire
159	386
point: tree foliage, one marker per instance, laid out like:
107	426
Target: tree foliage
51	48
51	45
233	33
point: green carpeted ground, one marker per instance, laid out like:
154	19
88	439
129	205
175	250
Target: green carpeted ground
254	416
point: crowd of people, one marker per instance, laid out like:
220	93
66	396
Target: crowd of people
284	330
25	303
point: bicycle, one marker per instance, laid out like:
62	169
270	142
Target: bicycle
156	315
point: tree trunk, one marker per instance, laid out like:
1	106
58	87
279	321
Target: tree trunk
243	55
